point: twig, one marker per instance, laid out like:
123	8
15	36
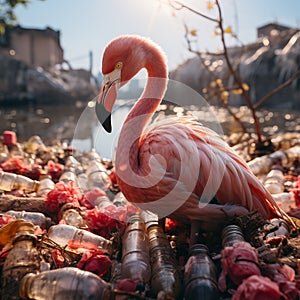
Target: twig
276	90
199	54
235	77
181	6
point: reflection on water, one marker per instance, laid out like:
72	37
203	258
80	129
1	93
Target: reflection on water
77	124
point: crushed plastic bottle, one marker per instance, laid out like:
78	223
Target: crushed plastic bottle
66	283
135	251
46	185
62	234
72	215
274	181
165	280
36	218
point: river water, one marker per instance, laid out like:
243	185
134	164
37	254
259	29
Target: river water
77	124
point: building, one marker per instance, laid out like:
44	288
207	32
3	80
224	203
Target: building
34	47
266	30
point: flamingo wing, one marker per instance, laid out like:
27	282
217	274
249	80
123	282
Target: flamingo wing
199	165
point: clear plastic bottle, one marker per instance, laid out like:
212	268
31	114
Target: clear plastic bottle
283	228
23	258
63	233
72	162
69	175
274	181
165	280
36	218
135	251
46	185
72	215
35	144
10	182
232	234
97	176
66	283
200	276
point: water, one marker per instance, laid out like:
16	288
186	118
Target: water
77	124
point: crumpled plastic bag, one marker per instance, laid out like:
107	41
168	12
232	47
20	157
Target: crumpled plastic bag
258	287
238	262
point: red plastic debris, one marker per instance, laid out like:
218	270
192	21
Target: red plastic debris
57	257
15	165
258	287
75	244
296	192
89	198
238	262
127	284
9	138
100	222
61	194
5	219
95	262
283	276
54	170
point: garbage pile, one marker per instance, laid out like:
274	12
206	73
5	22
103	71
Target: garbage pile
67	232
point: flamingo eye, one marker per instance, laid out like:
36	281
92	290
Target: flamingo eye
119	65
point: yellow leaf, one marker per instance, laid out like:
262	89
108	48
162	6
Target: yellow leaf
210	5
245	86
219	81
193	32
216	33
225	96
228	29
213	84
8	231
238	91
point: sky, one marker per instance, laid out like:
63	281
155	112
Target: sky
87	26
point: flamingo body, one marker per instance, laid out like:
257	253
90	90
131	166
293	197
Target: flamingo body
175	166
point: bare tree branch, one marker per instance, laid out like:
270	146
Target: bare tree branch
276	90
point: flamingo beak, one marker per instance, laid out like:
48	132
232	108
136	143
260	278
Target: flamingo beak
107	98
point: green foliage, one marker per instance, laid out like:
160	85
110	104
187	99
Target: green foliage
7	14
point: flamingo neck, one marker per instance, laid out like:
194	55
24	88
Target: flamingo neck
142	111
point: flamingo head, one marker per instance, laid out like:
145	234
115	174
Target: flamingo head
123	57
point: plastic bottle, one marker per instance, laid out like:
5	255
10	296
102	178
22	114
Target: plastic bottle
72	162
10	182
282	230
232	234
62	234
66	283
36	218
71	215
200	278
165	280
69	176
135	251
46	185
274	181
35	144
23	258
97	176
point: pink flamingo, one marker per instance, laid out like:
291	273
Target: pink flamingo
174	167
